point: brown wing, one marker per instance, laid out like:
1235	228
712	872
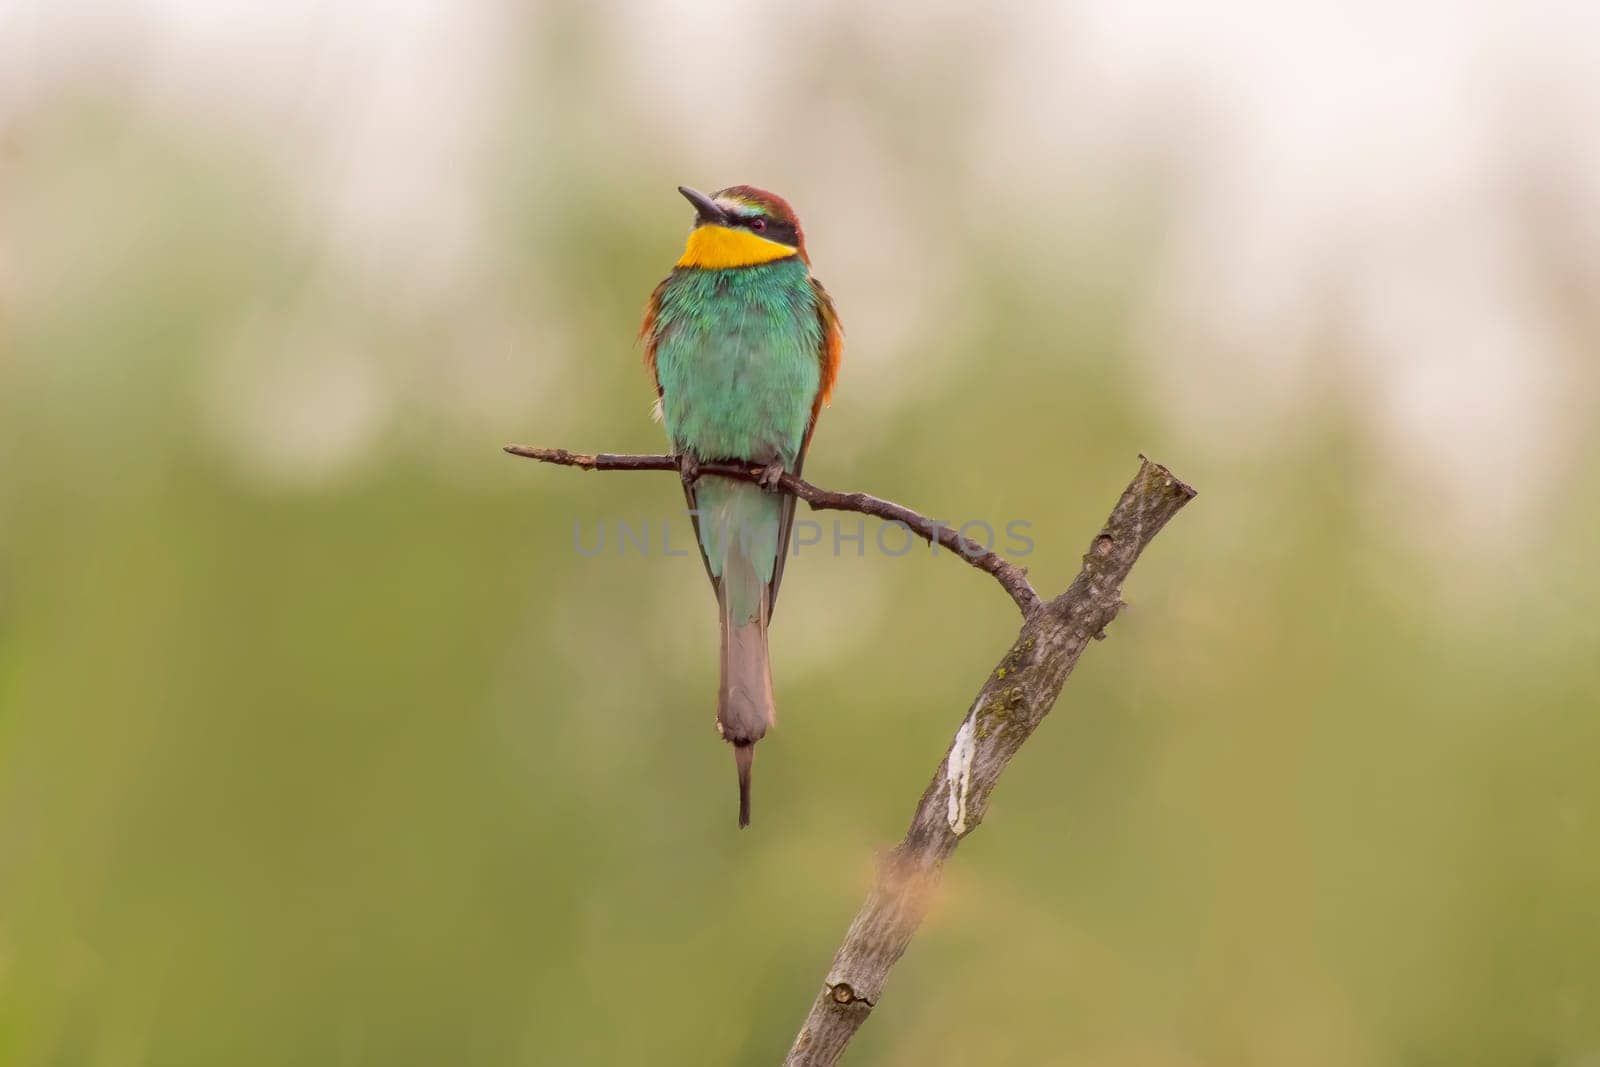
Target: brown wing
647	331
649	338
829	356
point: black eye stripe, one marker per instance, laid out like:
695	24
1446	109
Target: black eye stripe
782	232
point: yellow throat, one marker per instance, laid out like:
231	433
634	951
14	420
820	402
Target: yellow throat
719	247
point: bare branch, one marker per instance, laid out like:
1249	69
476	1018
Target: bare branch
1012	578
1012	702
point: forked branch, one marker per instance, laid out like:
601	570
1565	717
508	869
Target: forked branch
1011	703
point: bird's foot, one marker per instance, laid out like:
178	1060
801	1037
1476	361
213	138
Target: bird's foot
770	476
689	468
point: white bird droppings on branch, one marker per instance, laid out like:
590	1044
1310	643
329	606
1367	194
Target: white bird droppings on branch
958	772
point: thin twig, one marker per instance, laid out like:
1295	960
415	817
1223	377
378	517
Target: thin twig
1012	702
1011	577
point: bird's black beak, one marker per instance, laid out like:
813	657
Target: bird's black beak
706	208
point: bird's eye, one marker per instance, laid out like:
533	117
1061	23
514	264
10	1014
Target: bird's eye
758	225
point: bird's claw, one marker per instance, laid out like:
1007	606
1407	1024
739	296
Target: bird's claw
770	476
688	468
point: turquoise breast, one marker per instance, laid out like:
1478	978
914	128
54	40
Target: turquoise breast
737	357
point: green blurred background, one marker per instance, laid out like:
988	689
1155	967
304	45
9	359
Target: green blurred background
320	744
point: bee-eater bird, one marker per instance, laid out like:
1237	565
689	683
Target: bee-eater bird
744	344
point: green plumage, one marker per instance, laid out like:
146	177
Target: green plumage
737	363
744	345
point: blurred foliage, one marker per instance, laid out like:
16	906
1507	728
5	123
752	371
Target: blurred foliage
378	770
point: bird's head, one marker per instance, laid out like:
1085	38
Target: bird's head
740	226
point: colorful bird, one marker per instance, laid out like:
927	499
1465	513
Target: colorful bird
744	345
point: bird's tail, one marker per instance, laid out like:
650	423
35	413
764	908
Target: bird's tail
745	708
743	757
